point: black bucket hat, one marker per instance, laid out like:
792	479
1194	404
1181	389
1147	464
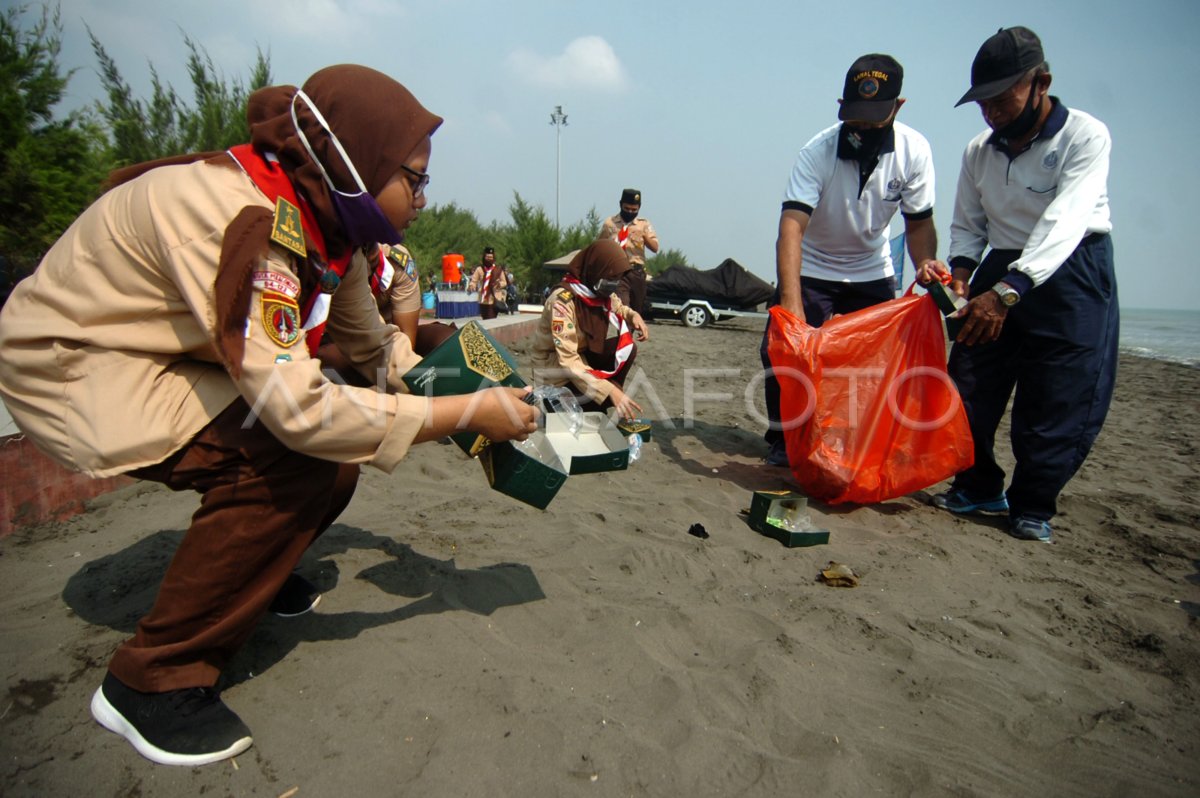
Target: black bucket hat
1001	61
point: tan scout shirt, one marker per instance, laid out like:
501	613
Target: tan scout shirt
106	354
641	234
556	345
499	285
404	293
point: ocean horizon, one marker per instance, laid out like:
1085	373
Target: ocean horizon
1171	335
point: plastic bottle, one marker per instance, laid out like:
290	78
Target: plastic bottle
635	447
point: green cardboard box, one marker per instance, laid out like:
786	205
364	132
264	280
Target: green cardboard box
533	470
783	515
597	446
529	471
468	361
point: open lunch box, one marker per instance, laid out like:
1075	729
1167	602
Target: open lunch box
531	471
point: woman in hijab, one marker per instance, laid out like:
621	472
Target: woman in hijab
168	335
583	337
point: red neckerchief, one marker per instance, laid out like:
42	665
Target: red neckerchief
381	276
271	181
485	290
624	336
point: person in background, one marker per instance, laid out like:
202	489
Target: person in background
1043	316
488	279
512	296
190	360
583	338
832	255
395	284
635	235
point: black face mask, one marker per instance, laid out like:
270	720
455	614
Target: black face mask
1025	121
628	216
861	142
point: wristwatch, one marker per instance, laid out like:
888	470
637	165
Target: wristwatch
1009	296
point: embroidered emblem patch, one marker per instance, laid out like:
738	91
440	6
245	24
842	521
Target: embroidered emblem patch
564	295
557	326
286	230
1051	160
277	282
280	318
868	88
560	309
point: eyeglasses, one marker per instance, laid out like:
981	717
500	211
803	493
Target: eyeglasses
418	182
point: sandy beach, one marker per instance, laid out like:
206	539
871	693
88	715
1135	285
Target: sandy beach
470	645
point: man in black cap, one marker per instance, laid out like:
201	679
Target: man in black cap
635	235
846	185
1043	314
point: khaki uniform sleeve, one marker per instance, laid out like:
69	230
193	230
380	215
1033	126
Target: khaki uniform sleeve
558	323
608	230
290	395
404	294
476	277
649	237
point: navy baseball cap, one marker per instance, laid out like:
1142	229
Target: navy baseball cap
1001	61
872	86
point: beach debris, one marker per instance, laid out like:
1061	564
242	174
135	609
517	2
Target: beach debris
698	531
837	574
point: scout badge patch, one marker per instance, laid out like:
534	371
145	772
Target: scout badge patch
286	229
280	317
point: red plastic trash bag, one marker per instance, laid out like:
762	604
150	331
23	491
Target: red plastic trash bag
868	410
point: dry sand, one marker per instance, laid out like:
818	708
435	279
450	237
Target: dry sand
469	645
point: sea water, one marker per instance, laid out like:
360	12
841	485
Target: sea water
1172	335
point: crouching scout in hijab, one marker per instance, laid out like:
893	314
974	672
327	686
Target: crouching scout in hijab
169	335
583	338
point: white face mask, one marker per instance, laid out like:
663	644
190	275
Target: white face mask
363	221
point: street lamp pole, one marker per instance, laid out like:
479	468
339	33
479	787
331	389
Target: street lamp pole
559	120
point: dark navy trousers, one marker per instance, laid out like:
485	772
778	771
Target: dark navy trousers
1058	349
822	300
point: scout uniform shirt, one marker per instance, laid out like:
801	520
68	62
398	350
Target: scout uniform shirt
108	362
632	237
396	287
499	285
556	356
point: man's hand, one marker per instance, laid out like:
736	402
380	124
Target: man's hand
984	316
932	269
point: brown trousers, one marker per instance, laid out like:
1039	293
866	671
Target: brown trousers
261	506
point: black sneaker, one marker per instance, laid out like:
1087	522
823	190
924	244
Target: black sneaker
296	597
180	727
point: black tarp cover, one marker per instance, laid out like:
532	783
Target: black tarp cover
728	285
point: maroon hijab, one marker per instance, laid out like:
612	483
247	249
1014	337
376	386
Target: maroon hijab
378	122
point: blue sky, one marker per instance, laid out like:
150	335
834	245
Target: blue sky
702	105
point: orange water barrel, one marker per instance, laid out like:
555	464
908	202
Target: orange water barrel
452	268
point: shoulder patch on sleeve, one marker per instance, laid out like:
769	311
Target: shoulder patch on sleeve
280	318
286	230
564	295
280	283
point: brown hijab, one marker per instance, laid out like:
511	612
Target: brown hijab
601	260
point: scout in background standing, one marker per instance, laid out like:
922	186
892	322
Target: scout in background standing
490	282
1043	315
635	235
833	255
169	334
583	338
